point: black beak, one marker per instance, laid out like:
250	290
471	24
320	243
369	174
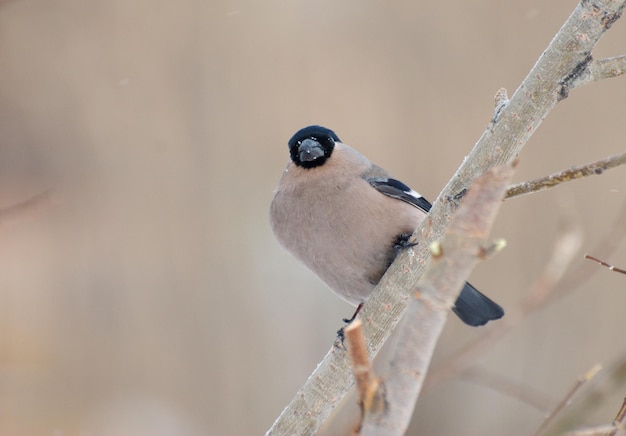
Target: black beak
309	150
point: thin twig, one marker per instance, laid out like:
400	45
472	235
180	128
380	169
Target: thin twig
619	419
605	430
606	385
567	399
591	169
603	263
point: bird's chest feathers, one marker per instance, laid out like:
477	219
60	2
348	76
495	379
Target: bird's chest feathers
344	220
334	213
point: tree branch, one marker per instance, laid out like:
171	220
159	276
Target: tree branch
548	82
619	419
458	253
567	399
603	263
566	246
605	386
591	169
543	291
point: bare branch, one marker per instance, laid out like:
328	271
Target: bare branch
603	263
567	399
591	169
565	248
436	292
606	385
609	243
542	292
619	419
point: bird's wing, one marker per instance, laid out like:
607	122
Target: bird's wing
396	189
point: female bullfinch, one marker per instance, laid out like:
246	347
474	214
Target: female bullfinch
346	219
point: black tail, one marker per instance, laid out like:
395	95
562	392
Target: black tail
476	309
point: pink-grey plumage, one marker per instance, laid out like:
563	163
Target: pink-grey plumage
346	219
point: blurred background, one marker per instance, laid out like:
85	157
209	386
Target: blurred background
143	292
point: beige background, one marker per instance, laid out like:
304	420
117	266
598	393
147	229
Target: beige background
147	294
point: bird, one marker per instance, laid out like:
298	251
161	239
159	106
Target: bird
347	219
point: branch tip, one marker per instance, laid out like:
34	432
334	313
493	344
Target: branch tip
603	263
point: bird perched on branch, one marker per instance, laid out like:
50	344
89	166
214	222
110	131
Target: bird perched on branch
347	219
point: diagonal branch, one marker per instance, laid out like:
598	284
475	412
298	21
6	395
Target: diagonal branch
546	289
603	263
607	385
459	252
567	399
566	246
591	169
